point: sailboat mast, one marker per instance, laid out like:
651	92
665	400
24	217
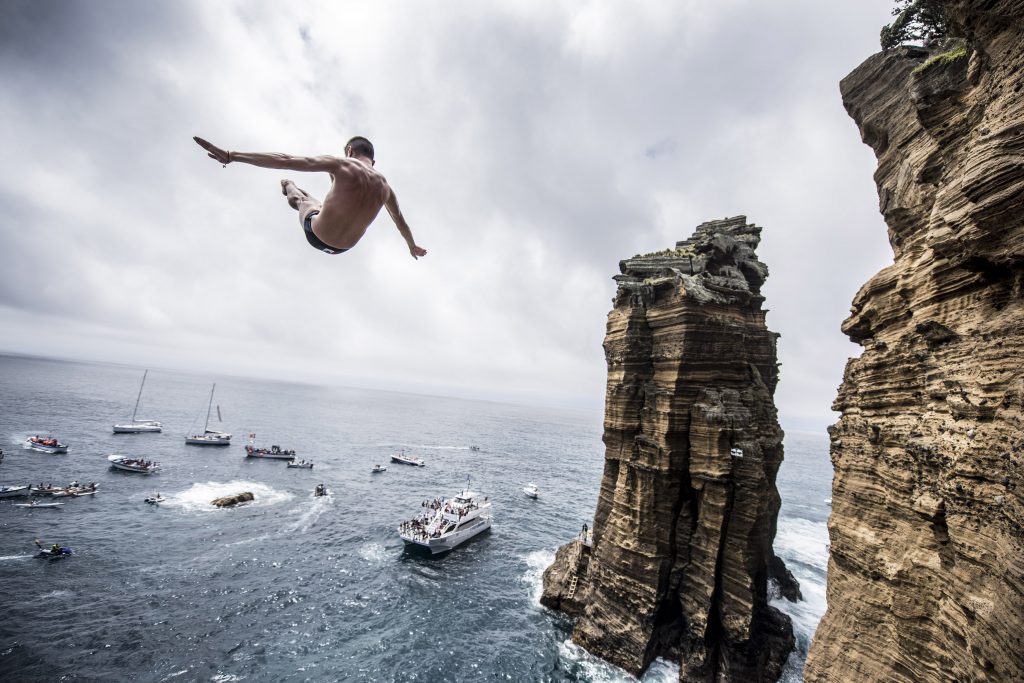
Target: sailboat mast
207	426
139	397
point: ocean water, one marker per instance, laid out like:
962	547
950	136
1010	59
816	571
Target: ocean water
296	588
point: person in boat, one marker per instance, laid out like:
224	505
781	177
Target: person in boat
358	191
55	549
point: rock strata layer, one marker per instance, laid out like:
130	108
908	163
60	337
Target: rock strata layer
680	557
926	571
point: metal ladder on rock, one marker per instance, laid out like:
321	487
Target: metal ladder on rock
574	581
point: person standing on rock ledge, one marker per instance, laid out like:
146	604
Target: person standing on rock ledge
357	193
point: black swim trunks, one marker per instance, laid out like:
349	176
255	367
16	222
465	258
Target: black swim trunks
313	240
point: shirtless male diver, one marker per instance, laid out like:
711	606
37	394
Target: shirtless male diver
354	200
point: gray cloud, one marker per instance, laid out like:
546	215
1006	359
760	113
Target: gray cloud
532	146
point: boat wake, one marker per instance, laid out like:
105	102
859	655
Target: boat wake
4	558
198	497
308	515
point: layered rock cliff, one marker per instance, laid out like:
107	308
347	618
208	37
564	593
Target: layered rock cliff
926	573
681	551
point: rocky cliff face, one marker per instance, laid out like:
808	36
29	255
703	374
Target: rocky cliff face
926	574
681	551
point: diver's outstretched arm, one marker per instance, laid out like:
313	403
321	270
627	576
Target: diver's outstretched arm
328	164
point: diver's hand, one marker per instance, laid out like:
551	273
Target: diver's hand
213	151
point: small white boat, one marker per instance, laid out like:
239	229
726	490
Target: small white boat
210	437
138	426
47	490
46	444
379	468
155	500
127	464
450	523
301	464
37	504
404	459
531	490
13	491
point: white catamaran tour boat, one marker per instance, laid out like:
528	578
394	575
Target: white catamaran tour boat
404	459
127	464
445	524
138	426
210	437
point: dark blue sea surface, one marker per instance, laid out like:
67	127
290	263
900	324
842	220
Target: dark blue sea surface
296	588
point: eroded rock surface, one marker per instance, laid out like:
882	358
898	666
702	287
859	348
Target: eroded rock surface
234	499
681	553
926	573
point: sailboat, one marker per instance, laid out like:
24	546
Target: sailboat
138	426
210	437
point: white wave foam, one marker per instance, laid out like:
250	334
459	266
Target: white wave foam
599	671
14	557
805	613
309	514
198	497
803	540
536	563
374	553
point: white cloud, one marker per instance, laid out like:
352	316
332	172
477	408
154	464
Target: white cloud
532	145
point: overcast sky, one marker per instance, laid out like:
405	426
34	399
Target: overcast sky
532	145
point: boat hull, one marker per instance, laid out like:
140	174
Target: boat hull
52	450
403	461
208	441
15	492
138	428
450	540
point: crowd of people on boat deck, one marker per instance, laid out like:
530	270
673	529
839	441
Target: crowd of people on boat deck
44	441
418	528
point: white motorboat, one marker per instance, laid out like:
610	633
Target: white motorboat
47	490
155	500
404	459
379	468
37	504
138	426
127	464
13	491
272	453
531	490
46	444
301	464
447	523
210	437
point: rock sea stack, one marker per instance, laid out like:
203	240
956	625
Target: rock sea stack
680	557
926	570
